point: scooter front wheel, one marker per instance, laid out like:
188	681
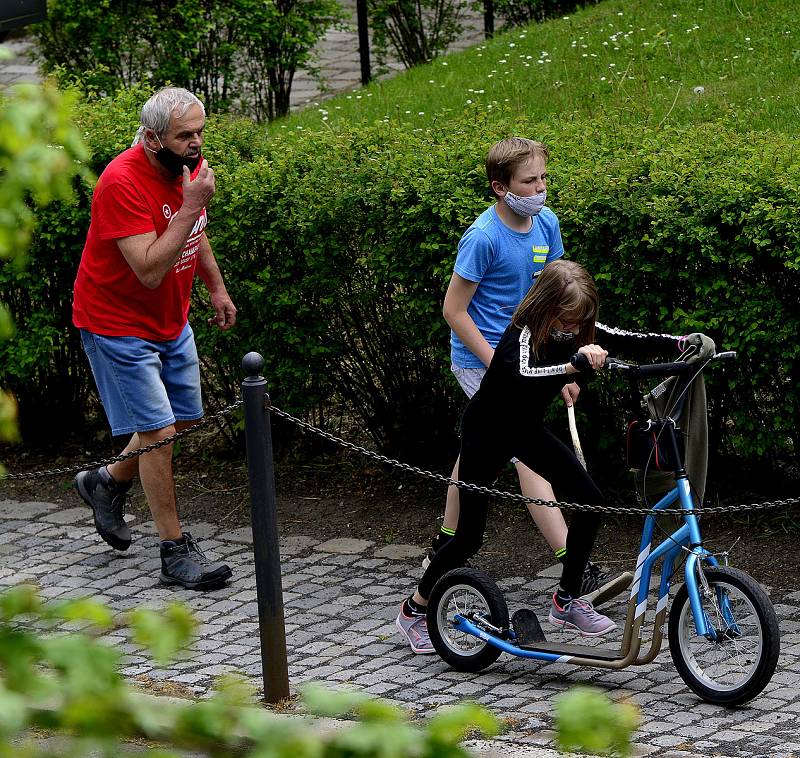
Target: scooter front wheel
472	594
739	661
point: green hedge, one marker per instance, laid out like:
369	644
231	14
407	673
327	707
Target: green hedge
338	248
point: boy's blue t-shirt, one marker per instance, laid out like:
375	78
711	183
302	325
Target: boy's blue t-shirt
505	264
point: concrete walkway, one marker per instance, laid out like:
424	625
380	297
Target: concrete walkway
341	599
337	57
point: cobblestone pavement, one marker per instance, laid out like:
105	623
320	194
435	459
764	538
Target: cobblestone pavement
337	58
341	599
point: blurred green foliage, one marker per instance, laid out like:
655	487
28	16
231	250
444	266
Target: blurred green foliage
68	684
40	154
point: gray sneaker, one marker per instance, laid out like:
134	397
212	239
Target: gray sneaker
415	630
184	563
106	497
580	615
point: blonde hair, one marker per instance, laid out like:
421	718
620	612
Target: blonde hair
563	288
506	156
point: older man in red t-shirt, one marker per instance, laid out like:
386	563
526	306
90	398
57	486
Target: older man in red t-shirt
146	240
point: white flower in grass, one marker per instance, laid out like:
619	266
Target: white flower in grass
469	102
421	113
602	78
699	90
444	63
512	44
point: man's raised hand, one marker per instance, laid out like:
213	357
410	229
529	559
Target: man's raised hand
197	192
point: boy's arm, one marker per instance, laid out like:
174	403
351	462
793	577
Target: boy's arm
459	295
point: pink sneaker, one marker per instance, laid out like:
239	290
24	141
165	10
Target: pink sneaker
415	630
580	615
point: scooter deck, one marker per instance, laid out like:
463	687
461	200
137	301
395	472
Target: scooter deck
530	636
579	651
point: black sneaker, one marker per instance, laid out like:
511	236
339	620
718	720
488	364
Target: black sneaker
598	586
183	562
106	497
593	578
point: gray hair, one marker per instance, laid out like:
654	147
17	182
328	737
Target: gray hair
158	110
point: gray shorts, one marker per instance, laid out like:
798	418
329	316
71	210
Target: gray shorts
468	378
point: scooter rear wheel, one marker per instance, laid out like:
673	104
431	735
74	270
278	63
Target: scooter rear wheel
735	666
464	591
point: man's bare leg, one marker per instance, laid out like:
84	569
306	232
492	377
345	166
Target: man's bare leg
155	472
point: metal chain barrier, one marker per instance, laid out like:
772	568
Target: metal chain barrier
518	497
513	496
132	454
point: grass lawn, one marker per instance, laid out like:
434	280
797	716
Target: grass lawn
658	62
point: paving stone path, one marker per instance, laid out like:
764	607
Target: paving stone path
341	599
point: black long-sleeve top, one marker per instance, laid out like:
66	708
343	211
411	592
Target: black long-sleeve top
518	385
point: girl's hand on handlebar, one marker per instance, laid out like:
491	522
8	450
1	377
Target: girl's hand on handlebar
595	354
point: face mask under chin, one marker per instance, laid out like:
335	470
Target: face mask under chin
173	162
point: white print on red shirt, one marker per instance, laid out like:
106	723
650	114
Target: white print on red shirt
192	246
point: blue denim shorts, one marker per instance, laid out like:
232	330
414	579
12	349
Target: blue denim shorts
145	385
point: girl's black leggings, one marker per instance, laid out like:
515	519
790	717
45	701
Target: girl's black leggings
485	449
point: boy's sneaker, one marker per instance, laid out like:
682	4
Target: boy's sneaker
598	586
182	562
580	615
415	630
106	497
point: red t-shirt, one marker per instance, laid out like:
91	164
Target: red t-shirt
132	197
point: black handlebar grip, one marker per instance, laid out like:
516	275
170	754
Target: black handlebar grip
580	362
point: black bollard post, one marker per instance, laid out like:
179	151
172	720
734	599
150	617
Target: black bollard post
264	517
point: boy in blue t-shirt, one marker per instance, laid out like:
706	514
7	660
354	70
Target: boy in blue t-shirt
499	255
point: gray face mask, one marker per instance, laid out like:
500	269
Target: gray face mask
526	206
557	335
